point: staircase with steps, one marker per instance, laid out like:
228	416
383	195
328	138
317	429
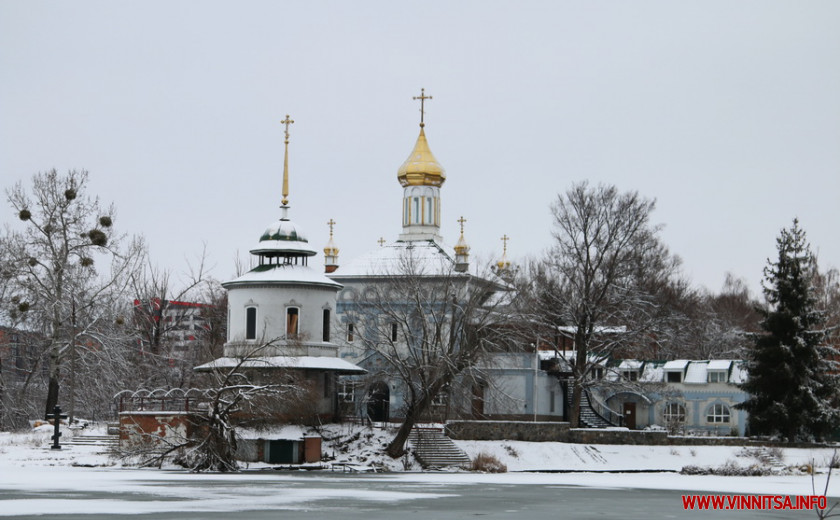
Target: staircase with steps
766	456
589	418
106	442
435	450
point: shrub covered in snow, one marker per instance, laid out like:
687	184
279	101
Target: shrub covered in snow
487	463
729	469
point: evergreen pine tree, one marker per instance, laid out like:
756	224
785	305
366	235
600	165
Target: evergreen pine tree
793	391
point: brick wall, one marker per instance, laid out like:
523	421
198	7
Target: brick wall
143	428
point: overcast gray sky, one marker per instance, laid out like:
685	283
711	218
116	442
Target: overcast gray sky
726	112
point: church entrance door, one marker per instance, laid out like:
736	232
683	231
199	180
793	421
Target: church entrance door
379	397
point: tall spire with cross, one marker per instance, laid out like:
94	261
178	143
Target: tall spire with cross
330	251
421	176
288	121
504	263
462	250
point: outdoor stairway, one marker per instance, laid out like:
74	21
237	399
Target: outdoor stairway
104	441
588	417
768	458
435	450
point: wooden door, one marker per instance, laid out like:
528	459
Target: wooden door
630	415
478	401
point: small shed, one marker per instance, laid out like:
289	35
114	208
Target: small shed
287	445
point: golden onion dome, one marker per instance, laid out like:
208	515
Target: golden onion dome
461	248
331	249
421	168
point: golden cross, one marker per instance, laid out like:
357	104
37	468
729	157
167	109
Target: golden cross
382	241
331	223
422	97
505	239
462	220
287	122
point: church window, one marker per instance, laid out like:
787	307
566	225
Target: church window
251	323
325	335
718	413
674	377
630	375
674	413
717	377
394	331
350	332
347	391
416	210
429	213
292	319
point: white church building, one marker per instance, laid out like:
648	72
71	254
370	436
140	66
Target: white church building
281	312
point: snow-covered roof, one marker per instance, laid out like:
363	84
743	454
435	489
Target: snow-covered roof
601	329
739	373
283	237
284	273
630	364
696	372
720	364
332	364
653	372
675	365
288	432
424	257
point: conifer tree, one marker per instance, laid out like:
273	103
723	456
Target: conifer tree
793	391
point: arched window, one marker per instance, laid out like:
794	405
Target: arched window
718	413
674	413
325	334
251	323
292	320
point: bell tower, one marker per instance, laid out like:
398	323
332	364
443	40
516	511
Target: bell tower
421	177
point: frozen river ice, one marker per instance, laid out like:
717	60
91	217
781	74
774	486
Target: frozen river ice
95	493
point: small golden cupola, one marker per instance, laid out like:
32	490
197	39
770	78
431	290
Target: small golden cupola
462	250
330	252
421	177
503	264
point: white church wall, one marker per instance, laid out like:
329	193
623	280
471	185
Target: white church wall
271	304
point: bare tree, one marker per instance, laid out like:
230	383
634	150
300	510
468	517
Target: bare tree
53	262
603	277
180	323
430	325
245	394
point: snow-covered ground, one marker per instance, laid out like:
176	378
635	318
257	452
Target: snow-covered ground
27	463
548	456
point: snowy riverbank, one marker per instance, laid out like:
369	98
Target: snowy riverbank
26	460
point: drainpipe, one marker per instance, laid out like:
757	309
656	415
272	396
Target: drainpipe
536	373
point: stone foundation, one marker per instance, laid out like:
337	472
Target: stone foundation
508	430
561	432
